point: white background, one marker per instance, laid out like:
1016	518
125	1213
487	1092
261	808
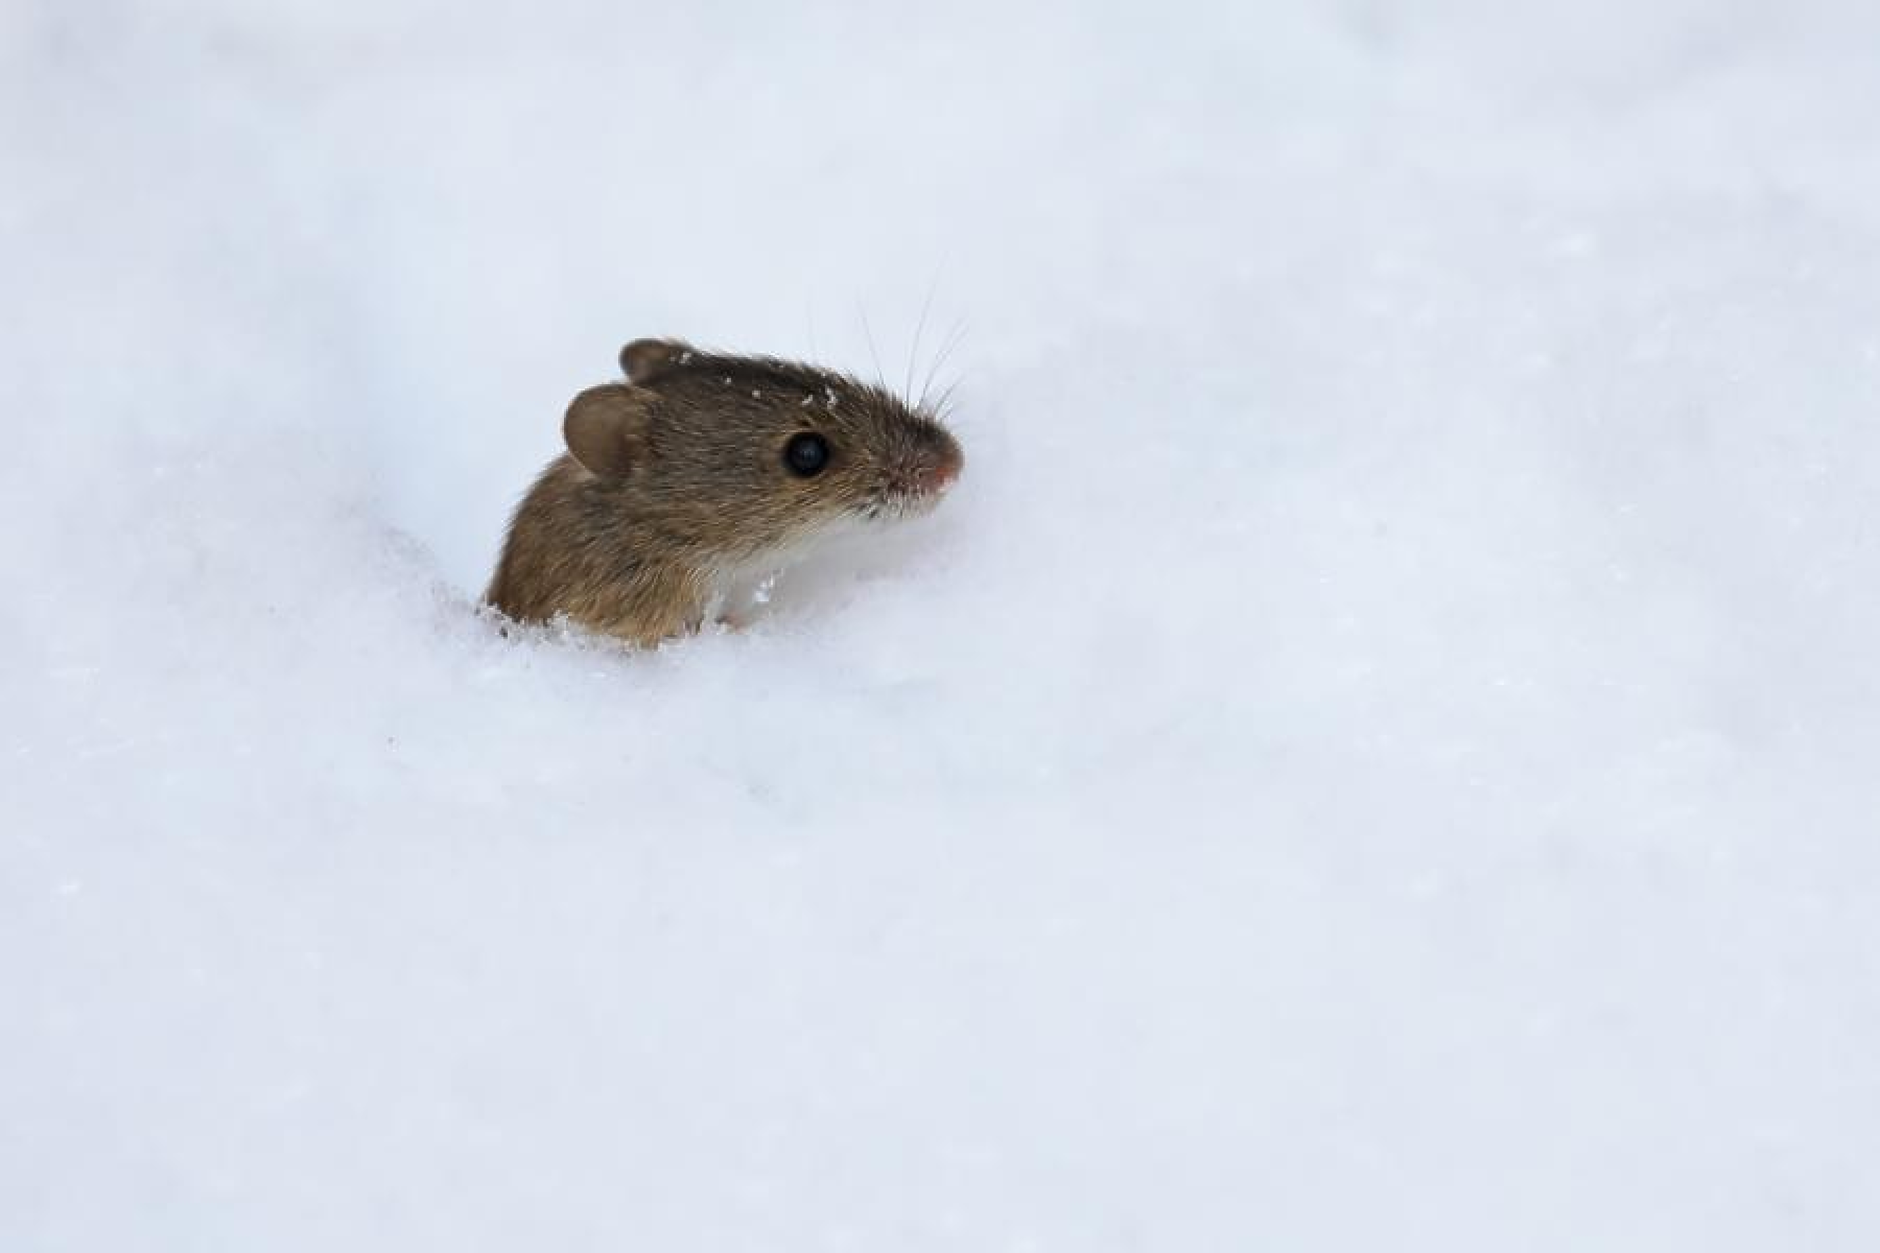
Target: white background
1378	753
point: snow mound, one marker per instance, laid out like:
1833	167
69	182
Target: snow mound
1379	749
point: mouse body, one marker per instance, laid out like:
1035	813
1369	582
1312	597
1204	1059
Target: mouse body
700	475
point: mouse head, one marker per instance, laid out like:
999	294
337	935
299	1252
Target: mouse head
761	453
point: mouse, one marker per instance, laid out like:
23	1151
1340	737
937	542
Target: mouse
686	486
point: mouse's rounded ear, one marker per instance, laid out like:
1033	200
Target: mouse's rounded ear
606	428
647	359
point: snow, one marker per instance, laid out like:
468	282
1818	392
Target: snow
1379	750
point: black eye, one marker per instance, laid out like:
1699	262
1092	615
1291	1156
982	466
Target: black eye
806	454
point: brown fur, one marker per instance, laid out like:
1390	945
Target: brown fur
676	478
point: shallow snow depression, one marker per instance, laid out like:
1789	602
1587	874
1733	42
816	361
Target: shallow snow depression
1378	751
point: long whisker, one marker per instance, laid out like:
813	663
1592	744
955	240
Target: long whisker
954	338
940	406
913	353
872	354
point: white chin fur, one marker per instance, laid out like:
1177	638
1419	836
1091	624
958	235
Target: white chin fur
898	508
739	588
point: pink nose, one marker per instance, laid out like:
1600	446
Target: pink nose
936	475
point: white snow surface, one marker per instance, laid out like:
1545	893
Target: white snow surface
1381	751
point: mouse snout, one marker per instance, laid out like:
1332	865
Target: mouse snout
918	473
937	464
933	477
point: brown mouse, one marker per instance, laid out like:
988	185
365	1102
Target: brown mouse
701	472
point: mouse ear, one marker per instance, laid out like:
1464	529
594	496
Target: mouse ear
646	359
606	428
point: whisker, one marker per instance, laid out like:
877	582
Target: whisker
907	386
946	397
872	354
954	339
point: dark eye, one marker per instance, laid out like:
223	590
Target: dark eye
806	454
